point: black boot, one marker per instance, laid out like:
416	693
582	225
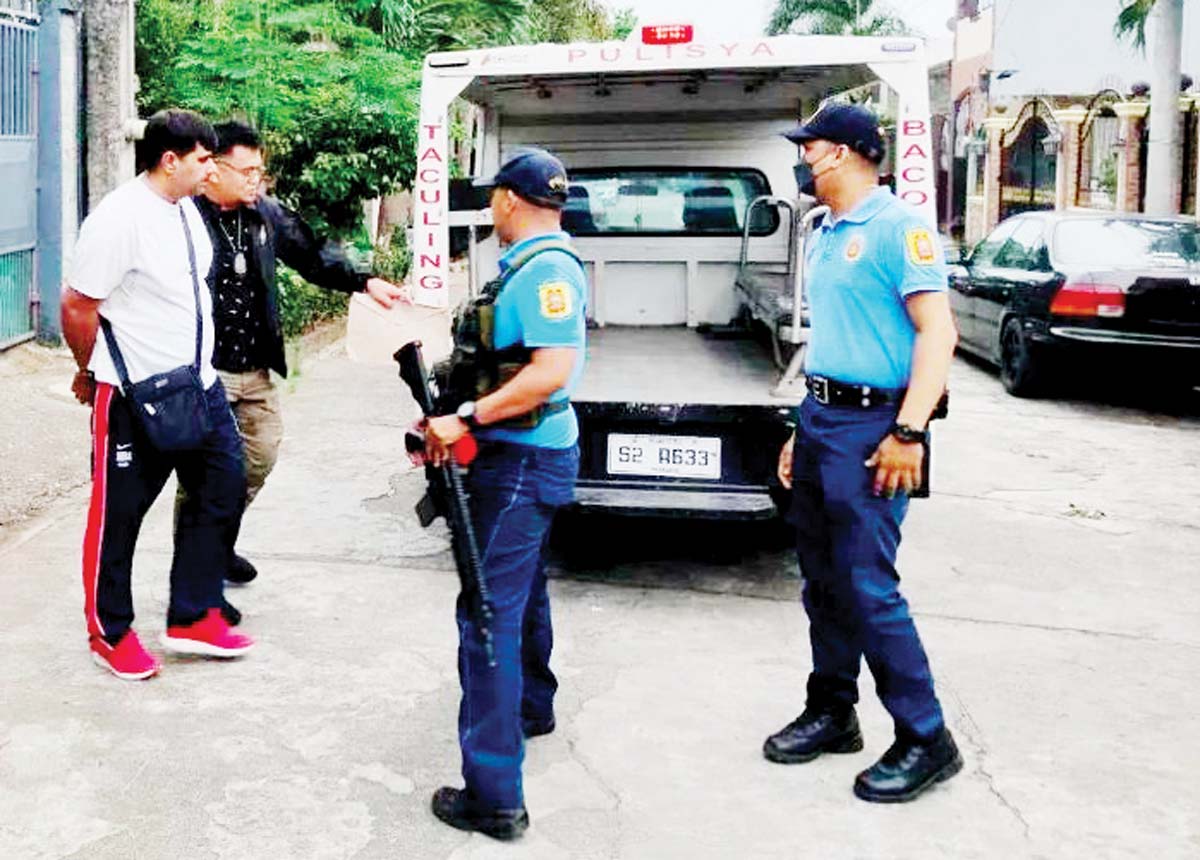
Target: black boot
815	731
533	728
240	571
451	806
909	767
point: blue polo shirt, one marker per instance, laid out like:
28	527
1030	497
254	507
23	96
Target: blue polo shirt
859	270
543	305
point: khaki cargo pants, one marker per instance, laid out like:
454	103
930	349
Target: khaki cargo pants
254	400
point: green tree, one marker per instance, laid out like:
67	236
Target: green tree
833	18
624	20
337	108
1131	21
418	27
162	26
568	21
332	84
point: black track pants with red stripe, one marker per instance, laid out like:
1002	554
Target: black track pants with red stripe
127	475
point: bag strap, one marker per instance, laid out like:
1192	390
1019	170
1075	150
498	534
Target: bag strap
187	234
111	340
528	254
117	360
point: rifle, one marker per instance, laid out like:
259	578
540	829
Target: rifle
447	498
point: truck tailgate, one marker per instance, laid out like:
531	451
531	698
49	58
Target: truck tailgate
675	423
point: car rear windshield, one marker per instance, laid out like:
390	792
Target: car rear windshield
666	202
1126	244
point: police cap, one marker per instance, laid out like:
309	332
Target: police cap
533	174
852	125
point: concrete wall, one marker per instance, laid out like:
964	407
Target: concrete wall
1068	46
111	109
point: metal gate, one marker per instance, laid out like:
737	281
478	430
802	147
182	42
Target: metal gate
1029	164
18	168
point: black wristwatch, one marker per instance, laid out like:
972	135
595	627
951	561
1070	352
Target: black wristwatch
466	414
908	433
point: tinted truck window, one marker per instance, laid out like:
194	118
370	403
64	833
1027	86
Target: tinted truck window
666	202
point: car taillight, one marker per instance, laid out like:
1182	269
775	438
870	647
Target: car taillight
1089	300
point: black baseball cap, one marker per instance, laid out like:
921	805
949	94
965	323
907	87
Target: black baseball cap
852	125
533	174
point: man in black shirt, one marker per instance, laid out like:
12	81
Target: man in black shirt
249	232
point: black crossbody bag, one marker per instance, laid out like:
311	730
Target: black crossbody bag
171	406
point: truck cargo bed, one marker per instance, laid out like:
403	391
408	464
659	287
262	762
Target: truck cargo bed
767	292
676	365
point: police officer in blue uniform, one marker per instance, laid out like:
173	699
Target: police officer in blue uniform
882	341
526	468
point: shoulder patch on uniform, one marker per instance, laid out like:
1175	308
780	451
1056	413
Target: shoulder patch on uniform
555	299
921	250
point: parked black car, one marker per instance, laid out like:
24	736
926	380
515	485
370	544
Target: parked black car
1054	292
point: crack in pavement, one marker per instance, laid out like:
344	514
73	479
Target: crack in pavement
380	560
590	770
1021	509
1053	628
646	587
973	734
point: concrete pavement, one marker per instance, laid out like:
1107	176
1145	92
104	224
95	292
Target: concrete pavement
1053	575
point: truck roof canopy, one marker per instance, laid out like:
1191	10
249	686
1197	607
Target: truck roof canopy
737	95
779	92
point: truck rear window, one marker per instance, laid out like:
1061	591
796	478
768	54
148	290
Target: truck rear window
666	202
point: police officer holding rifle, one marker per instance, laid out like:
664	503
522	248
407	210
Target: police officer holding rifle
519	352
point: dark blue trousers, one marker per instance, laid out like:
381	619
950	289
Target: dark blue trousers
128	473
515	490
847	541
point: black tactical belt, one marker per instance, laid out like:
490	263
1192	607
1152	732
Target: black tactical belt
830	392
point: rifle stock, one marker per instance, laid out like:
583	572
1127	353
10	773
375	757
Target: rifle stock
446	497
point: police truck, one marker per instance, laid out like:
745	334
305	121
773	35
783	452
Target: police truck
684	208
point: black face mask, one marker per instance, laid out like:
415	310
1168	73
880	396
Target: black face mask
805	180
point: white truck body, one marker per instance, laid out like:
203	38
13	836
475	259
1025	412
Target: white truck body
624	116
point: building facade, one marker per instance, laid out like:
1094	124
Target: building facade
1050	110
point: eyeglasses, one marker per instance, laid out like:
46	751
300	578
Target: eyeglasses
254	173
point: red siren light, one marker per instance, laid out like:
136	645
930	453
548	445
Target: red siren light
667	34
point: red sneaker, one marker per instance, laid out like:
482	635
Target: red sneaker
128	660
210	636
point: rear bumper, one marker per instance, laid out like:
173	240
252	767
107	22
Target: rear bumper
1121	338
751	436
698	503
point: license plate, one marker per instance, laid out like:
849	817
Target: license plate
667	456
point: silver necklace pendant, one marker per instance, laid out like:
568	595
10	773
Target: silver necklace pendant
239	264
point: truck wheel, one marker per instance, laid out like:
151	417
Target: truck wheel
779	534
1020	373
574	544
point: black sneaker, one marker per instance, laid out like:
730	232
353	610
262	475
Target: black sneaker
814	732
240	571
908	768
536	728
451	806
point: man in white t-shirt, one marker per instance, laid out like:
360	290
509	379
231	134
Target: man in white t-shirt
139	263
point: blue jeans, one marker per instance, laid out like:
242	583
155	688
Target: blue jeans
515	490
846	542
